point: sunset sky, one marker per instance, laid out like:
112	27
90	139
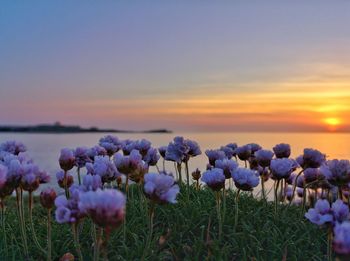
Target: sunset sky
181	65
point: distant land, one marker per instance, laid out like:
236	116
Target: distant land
59	128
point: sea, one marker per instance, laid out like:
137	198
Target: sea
44	149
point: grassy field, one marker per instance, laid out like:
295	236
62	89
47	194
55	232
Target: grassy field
187	230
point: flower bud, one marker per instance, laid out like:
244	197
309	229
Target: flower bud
47	198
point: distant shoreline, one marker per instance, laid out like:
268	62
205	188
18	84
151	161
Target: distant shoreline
57	128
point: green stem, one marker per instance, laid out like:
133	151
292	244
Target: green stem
98	240
78	172
276	195
187	179
3	224
21	221
295	186
218	210
329	244
36	241
150	229
237	209
76	241
263	195
49	235
179	171
66	184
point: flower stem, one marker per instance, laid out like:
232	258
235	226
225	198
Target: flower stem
187	179
263	195
276	195
66	184
76	241
98	240
329	244
150	229
49	234
3	224
78	172
295	186
218	210
179	171
30	206
21	221
236	208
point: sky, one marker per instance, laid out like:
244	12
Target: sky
181	65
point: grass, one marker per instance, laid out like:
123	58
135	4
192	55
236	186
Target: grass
184	231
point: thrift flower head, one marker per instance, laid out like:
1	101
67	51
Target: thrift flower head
214	155
263	157
214	178
161	188
312	159
162	151
254	147
142	146
96	151
312	175
321	214
337	172
340	211
196	175
245	179
228	166
177	150
341	240
193	148
81	156
281	168
91	182
244	152
67	159
105	207
60	179
152	157
47	198
111	144
282	150
233	146
30	182
103	167
229	152
13	147
67	210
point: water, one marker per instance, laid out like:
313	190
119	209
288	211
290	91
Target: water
45	148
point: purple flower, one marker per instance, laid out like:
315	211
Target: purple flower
96	151
60	179
341	240
105	207
142	146
244	152
177	150
312	159
3	175
81	156
162	150
13	147
133	166
91	182
282	150
229	152
111	144
103	167
340	211
161	188
193	148
228	166
214	155
233	146
152	157
67	159
67	210
127	146
254	147
214	178
30	182
288	192
281	168
337	172
321	214
245	179
47	198
263	157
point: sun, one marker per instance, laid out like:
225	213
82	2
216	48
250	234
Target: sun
332	123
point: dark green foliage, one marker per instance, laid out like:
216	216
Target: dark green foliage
184	231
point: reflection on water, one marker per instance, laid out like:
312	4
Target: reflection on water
45	148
